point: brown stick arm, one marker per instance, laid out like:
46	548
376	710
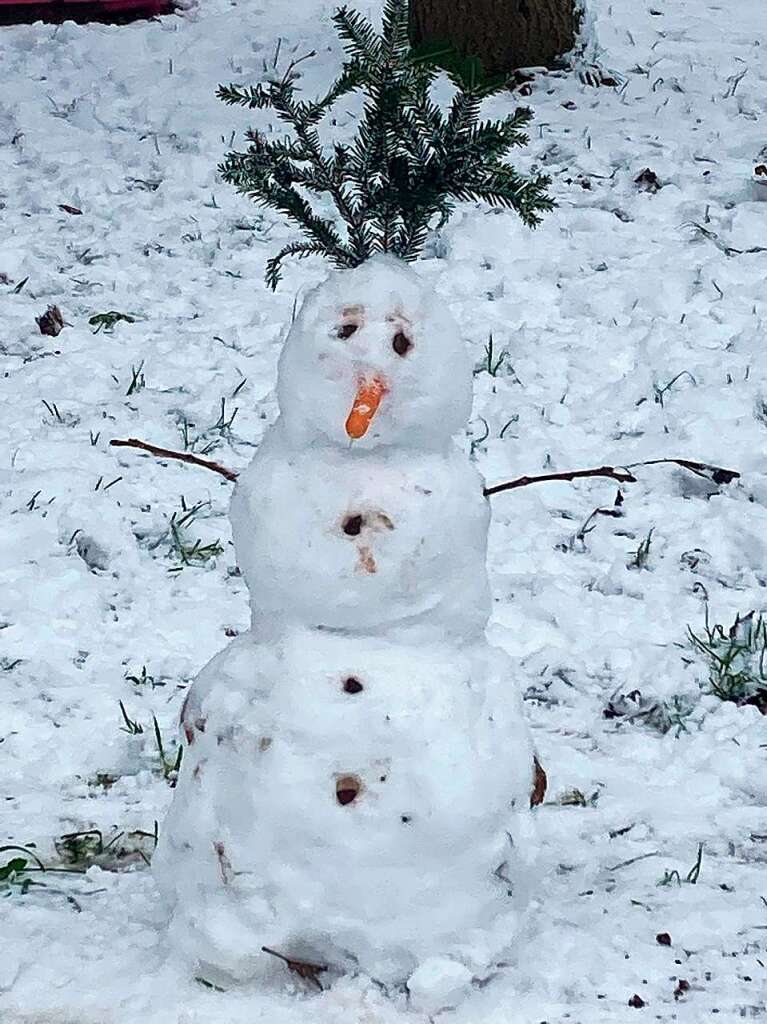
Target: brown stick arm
167	453
621	475
717	474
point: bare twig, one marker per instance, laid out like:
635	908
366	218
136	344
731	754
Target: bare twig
718	474
621	475
166	453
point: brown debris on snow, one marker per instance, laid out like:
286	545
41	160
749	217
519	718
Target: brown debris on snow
224	864
540	782
348	788
51	322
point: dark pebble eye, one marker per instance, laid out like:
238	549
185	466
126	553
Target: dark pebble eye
401	344
346	330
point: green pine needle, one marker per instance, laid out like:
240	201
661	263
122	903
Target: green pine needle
408	164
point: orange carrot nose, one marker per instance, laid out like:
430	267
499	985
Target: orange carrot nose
366	402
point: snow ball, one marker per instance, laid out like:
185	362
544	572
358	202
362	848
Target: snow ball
438	984
379	322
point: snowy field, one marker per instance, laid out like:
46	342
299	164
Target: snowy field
633	327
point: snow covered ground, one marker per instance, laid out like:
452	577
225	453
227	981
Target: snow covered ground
633	322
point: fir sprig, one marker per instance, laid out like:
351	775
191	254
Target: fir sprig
408	164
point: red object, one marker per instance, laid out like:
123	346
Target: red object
13	12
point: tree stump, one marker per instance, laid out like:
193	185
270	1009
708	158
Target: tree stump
503	34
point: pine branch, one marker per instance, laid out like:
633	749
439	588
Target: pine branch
406	168
394	30
351	78
253	97
299	249
358	35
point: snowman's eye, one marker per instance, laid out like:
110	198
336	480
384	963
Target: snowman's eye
401	343
346	331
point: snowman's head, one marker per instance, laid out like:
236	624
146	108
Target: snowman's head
374	358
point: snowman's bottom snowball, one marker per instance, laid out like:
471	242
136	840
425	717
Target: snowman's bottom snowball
267	842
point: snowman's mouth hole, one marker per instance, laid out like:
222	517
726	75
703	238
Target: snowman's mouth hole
355	522
348	788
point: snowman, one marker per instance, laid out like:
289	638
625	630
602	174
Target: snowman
356	786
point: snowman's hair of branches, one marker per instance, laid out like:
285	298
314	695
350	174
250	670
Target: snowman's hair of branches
408	165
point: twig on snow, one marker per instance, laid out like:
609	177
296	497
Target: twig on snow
166	453
718	474
621	475
308	971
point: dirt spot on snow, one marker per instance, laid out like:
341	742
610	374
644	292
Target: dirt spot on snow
348	788
540	782
224	864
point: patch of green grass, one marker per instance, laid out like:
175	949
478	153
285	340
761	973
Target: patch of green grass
16	875
493	360
661	715
144	678
170	760
577	798
188	550
133	728
690	878
81	850
170	764
736	658
211	437
642	553
660	391
108	321
137	382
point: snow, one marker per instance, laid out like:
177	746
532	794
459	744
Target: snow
355	788
617	294
438	983
340	534
428	390
258	851
395	568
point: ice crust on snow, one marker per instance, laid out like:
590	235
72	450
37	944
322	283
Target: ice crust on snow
369	827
